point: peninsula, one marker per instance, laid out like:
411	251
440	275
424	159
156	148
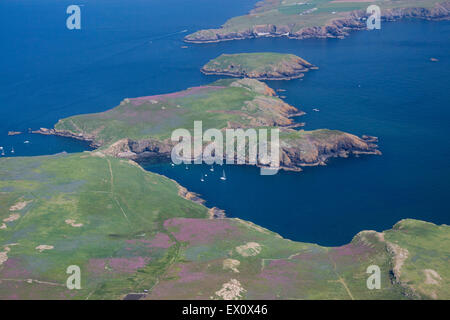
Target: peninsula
141	128
317	18
135	236
261	66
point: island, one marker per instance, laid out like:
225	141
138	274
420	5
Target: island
134	235
141	128
261	66
316	18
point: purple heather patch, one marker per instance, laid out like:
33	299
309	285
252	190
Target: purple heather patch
13	268
279	272
187	276
96	266
161	240
128	265
120	265
350	251
201	231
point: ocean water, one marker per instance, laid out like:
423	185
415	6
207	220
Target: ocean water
379	83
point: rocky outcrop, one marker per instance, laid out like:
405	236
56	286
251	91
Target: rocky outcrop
309	149
335	28
91	138
282	67
317	147
191	196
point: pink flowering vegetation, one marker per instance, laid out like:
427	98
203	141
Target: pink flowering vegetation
105	266
351	253
201	231
191	280
128	265
279	272
14	268
187	274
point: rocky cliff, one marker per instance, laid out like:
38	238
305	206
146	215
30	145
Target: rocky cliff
334	28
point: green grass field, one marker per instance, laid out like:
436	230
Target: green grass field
129	231
296	15
157	116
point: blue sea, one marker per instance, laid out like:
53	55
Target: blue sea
380	83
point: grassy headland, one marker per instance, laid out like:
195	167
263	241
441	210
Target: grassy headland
316	18
130	231
142	127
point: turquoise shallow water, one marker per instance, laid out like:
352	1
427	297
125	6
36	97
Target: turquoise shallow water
380	83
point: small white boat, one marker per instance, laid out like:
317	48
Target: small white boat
3	152
212	169
316	110
172	164
201	179
187	168
26	142
223	177
206	175
12	150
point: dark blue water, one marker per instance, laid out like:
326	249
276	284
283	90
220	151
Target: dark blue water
379	83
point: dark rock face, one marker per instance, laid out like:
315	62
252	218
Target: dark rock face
338	28
84	137
294	154
313	151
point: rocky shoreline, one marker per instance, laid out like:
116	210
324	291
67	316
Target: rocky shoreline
336	28
68	134
242	75
293	156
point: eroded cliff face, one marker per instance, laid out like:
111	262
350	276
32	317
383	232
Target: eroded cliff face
334	28
316	147
305	148
309	148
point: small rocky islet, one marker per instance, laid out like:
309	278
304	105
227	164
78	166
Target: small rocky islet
261	66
